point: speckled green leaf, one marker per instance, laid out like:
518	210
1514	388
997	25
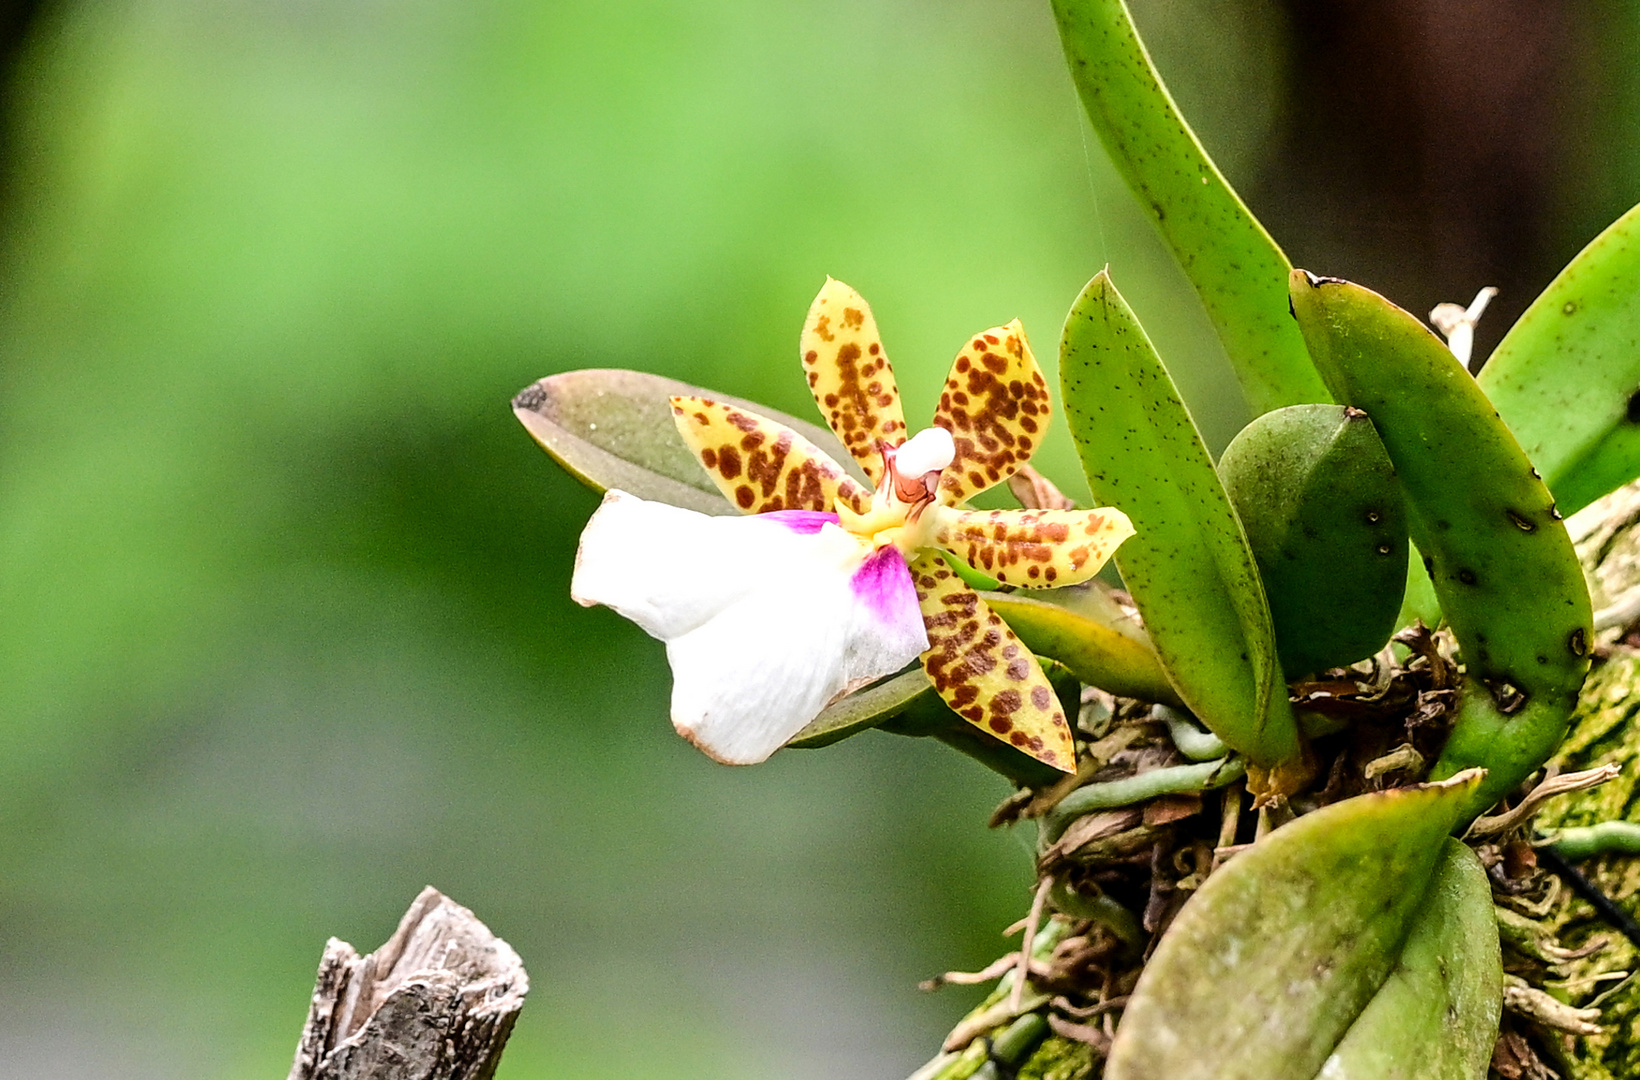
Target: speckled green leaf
1188	566
1566	378
1238	271
1327	524
612	428
1083	629
1436	1016
1276	956
1500	559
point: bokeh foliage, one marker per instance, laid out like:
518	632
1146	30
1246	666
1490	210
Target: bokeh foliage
284	627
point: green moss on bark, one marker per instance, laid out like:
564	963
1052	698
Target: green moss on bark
1059	1059
1603	731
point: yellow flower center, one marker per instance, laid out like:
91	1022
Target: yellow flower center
911	479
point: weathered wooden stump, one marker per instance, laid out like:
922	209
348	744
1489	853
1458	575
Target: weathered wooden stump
436	1002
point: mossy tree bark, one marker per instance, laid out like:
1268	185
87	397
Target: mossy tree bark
1603	731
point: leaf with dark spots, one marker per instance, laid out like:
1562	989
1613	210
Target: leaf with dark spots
1234	265
1334	570
1564	378
1188	566
1518	591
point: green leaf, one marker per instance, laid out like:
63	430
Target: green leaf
1497	551
1188	566
1566	376
1436	1016
612	428
1278	954
868	708
1085	630
1419	600
906	704
1237	270
1328	526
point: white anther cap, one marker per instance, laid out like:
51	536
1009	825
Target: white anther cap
925	452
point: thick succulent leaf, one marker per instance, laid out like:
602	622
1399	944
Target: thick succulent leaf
868	708
1419	602
1083	629
1565	376
1187	566
1326	521
995	404
1236	268
611	428
1436	1016
984	672
1498	553
1273	959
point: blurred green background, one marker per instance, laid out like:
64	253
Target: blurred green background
284	626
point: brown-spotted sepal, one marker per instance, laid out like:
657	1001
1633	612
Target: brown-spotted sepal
1034	548
849	375
760	465
983	671
995	405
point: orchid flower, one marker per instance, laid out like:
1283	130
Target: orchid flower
826	586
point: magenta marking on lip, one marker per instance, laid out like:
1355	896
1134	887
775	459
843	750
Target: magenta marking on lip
883	584
801	521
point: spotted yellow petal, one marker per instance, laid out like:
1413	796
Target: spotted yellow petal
983	671
849	375
1034	548
995	405
760	465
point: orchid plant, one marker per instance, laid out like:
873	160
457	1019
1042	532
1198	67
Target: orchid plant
1367	615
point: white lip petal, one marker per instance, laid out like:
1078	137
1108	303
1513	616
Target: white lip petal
766	618
632	558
